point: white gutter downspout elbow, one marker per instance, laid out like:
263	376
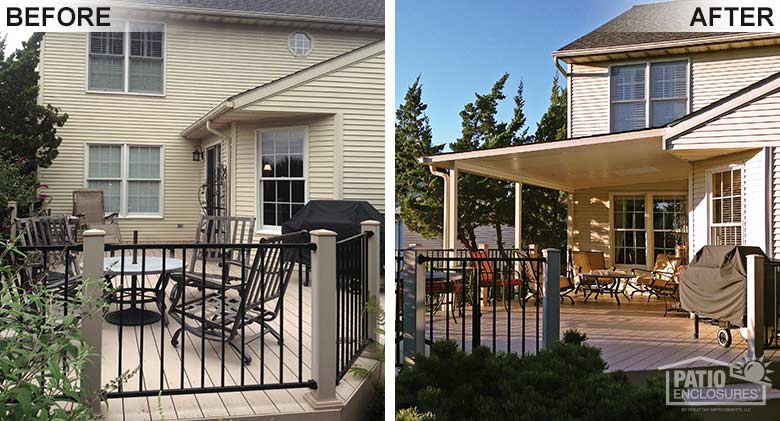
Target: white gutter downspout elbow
445	223
229	165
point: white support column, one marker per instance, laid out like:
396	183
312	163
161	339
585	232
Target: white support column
755	306
551	316
92	322
413	306
323	321
373	271
452	208
518	216
570	200
13	208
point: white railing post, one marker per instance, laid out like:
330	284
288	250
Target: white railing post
413	306
755	306
551	313
374	241
13	208
92	321
323	320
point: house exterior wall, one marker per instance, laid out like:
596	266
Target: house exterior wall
591	229
754	187
774	206
204	64
712	76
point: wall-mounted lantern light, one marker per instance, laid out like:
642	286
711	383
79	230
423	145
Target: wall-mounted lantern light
197	153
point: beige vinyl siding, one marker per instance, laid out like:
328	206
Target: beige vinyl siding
754	198
757	123
589	100
355	92
713	76
592	208
205	63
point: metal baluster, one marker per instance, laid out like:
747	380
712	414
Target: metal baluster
300	315
164	282
225	273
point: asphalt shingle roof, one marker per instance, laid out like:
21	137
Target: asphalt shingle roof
633	27
369	11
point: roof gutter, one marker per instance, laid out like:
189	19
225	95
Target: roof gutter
215	112
569	74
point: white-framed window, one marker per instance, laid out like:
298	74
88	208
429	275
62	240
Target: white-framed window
629	231
300	43
282	183
670	223
130	59
726	206
130	177
647	94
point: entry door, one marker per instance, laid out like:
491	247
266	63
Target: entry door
214	181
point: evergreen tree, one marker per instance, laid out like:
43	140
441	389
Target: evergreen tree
418	193
544	210
28	130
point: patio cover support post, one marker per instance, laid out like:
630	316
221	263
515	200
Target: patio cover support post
551	313
413	306
569	227
92	322
518	216
451	205
323	321
373	272
755	306
12	207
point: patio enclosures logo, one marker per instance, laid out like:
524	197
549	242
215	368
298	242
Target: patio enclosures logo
54	15
715	383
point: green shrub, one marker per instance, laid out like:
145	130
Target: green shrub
413	414
16	186
565	381
42	352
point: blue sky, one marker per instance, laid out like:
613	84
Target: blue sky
463	46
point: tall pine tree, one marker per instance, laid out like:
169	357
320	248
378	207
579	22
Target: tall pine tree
418	193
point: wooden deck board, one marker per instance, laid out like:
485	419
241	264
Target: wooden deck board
216	405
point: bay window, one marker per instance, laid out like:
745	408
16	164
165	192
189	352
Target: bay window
130	177
282	179
127	60
648	94
726	207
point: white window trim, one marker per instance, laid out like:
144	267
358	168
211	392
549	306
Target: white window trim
125	169
647	100
649	228
710	225
261	228
311	43
127	62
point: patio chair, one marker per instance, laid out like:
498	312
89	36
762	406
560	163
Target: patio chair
58	269
89	207
259	301
663	281
504	278
535	282
584	264
216	230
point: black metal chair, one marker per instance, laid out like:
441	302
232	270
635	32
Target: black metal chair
215	230
221	315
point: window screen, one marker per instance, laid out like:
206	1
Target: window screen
106	61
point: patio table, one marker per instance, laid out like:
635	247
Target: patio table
611	282
135	295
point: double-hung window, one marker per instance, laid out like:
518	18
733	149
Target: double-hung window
726	207
629	232
130	177
282	181
648	94
127	60
670	223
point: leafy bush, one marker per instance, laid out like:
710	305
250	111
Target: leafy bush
16	186
43	352
413	414
565	381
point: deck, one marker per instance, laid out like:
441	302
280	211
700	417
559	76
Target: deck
634	336
202	367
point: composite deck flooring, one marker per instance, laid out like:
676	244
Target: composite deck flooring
195	363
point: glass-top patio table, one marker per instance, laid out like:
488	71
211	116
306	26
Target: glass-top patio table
136	294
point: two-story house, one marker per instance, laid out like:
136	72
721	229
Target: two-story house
247	108
672	141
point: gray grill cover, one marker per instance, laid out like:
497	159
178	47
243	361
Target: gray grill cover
714	284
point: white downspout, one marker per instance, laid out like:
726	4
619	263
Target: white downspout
446	177
229	165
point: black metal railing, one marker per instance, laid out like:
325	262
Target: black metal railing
230	319
399	307
488	298
772	303
351	300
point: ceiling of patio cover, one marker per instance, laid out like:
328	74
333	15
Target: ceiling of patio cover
341	216
714	285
